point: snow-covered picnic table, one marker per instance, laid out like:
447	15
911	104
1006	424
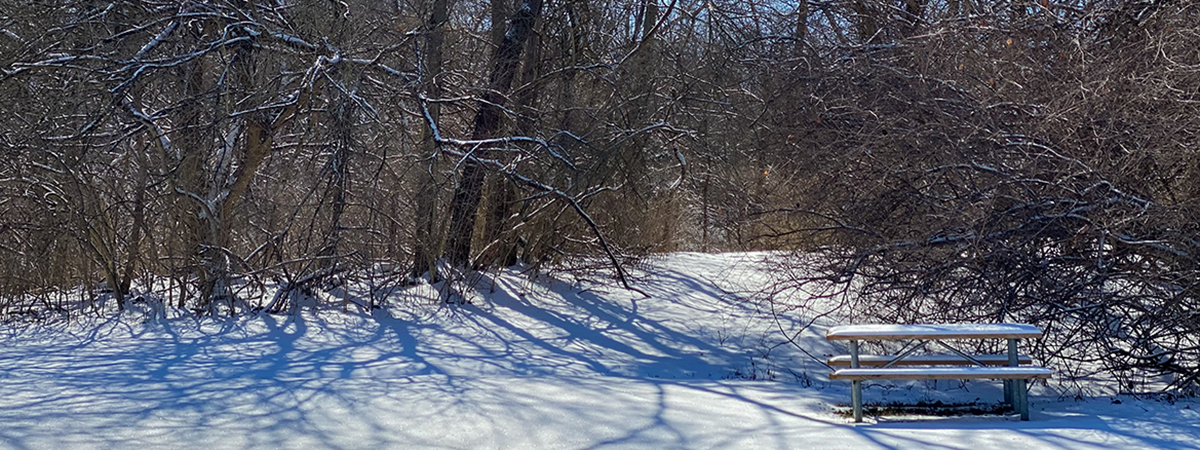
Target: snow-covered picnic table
887	332
1012	371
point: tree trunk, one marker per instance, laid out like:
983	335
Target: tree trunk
914	13
865	21
468	193
425	250
801	26
192	147
343	122
503	193
499	16
134	250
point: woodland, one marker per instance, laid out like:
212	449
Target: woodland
1032	161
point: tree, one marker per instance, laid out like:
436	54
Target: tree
469	191
426	245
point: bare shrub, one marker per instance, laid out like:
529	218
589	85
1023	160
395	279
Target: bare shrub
1033	172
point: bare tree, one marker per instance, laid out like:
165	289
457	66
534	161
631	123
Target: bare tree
427	241
468	193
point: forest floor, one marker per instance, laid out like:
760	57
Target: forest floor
557	363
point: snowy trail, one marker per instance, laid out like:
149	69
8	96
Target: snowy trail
531	365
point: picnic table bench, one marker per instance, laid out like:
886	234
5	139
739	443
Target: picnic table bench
1013	368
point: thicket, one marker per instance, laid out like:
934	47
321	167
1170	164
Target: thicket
1032	165
928	160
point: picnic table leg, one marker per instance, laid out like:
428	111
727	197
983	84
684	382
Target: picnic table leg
1010	389
855	385
1022	398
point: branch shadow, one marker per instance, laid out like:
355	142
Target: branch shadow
537	365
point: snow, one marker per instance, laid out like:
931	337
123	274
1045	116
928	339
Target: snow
552	363
942	331
945	372
879	360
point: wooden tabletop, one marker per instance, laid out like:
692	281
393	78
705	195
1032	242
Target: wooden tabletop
943	373
883	332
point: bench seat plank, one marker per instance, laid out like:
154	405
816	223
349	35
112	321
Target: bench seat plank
927	360
942	373
883	332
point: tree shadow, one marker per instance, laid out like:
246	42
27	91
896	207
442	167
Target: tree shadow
541	364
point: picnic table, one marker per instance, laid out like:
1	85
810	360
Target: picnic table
1012	367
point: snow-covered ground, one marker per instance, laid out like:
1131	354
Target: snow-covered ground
546	364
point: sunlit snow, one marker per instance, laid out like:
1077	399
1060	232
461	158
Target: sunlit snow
551	363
